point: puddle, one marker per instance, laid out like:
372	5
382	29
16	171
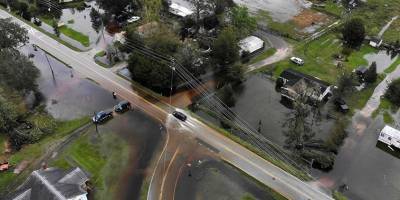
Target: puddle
280	10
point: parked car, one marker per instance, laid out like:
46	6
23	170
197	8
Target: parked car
102	116
122	106
179	116
341	105
133	19
297	61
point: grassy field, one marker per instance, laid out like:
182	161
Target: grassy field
339	196
35	151
103	157
318	56
262	56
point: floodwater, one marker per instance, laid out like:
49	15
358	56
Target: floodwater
258	101
370	172
82	23
217	180
280	10
68	96
383	60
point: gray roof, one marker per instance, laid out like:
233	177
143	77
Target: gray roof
52	184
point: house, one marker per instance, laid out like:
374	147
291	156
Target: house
375	42
54	184
251	44
390	136
179	10
295	83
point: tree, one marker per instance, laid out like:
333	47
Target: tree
116	7
55	28
191	59
344	83
371	74
353	33
17	71
11	34
227	95
8	116
244	23
393	92
225	47
230	74
202	8
149	73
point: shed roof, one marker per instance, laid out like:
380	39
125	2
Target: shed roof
388	130
180	10
251	44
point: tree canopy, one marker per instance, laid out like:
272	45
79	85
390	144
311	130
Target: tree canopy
393	92
244	23
225	47
354	33
11	34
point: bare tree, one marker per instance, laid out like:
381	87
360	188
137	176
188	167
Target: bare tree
202	8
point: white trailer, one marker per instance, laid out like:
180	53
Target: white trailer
390	136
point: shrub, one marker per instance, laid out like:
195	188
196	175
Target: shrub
393	92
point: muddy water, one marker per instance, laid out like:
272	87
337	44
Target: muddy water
217	180
280	10
68	96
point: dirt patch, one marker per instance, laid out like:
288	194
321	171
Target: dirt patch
309	18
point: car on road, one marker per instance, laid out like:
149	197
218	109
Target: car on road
102	116
297	61
179	115
122	107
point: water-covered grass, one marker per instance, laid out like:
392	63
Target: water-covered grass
393	66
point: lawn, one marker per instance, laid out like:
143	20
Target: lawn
376	13
393	66
2	140
103	158
262	56
35	151
319	55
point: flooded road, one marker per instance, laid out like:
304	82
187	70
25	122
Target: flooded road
383	60
68	96
213	179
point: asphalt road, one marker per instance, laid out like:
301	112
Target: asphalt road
247	161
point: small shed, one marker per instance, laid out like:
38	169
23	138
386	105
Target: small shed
390	136
251	44
180	10
375	42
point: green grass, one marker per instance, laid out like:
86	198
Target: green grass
263	55
144	190
100	53
103	158
247	196
376	14
75	35
384	106
2	141
339	196
387	118
287	29
67	31
32	152
331	8
357	100
393	66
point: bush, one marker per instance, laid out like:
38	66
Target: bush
393	92
337	136
371	74
353	33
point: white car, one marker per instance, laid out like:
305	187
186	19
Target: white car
297	60
133	19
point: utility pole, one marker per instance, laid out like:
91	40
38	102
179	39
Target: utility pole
51	68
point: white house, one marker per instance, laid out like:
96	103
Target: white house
390	136
180	10
251	44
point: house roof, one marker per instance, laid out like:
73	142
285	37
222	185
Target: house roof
293	76
52	183
179	10
251	44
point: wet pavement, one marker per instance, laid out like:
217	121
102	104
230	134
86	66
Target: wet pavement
68	96
212	179
383	60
